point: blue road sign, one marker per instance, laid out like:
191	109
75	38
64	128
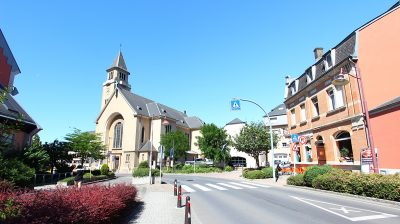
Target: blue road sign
171	152
235	104
295	138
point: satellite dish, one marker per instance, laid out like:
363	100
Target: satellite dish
341	79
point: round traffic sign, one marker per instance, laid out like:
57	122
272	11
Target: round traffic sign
303	139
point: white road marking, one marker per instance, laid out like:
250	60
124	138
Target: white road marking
202	187
230	186
380	215
187	188
258	185
344	210
242	185
217	187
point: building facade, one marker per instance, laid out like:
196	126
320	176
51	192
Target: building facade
328	105
131	126
11	112
241	159
329	116
279	124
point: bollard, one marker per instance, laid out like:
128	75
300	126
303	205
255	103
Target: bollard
180	190
179	202
188	215
175	190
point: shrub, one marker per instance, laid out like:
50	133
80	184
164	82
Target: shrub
111	174
104	169
17	172
268	172
254	174
88	175
228	168
144	164
370	185
314	171
297	180
90	204
179	166
96	172
6	186
143	172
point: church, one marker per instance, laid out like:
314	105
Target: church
131	125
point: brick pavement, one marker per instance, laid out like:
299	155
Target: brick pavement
158	205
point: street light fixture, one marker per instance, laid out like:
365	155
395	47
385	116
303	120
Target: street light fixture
271	136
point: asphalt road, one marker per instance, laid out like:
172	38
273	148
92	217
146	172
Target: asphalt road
222	201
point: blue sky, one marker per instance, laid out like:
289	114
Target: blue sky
190	55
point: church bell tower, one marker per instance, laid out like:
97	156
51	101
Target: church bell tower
117	75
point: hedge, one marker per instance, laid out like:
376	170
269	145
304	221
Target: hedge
190	169
255	174
314	171
104	169
370	185
143	172
89	204
86	178
297	180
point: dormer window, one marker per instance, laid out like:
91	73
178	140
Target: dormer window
310	76
328	62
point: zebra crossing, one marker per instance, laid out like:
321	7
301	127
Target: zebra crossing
221	186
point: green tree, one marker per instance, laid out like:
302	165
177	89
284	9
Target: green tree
86	144
211	141
58	155
178	140
35	156
254	139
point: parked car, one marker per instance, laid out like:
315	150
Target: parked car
200	161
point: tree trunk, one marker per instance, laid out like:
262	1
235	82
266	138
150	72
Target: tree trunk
257	160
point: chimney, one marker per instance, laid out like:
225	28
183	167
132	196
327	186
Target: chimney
318	52
287	79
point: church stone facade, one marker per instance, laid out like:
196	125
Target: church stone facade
131	126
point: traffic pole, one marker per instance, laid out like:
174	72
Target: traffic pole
179	201
188	215
175	190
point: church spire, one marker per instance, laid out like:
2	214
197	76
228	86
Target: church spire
117	75
119	62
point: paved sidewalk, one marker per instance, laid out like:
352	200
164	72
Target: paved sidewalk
158	205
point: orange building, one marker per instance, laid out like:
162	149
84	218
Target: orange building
378	61
11	112
327	104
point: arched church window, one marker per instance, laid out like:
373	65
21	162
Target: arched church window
118	135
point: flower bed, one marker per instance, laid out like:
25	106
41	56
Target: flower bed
90	204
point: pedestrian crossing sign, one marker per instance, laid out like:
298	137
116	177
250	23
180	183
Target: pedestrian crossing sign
235	104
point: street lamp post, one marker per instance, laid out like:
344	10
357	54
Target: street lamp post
270	135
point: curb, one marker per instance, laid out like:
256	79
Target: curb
347	194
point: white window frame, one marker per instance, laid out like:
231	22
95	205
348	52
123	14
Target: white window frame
293	116
331	101
303	113
315	104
